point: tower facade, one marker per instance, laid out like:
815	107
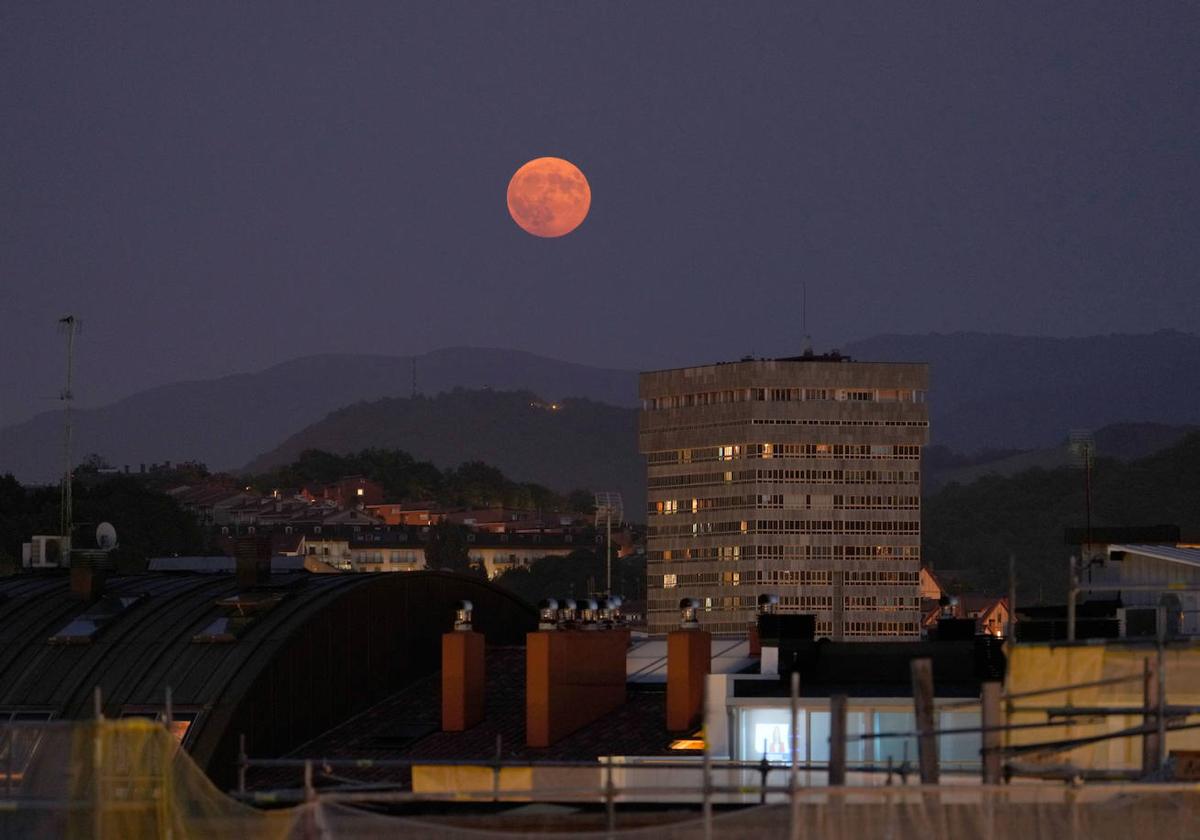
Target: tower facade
799	477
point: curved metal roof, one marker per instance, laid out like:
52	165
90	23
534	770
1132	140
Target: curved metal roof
330	647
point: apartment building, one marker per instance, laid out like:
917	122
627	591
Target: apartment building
799	477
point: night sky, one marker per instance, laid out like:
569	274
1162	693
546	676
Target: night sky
213	187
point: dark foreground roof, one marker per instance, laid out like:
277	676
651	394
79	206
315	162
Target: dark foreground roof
407	725
291	659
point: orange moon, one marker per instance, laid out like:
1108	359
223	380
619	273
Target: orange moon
549	197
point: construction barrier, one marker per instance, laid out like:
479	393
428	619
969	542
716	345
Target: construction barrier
130	779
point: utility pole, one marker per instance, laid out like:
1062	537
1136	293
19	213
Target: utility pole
70	324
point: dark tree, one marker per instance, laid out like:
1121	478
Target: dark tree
446	547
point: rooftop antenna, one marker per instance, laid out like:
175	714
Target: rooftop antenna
808	348
1082	447
70	325
414	377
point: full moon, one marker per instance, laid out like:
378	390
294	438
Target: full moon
549	197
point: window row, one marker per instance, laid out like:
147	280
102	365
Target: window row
881	602
779	501
807	476
809	600
879	628
782	577
738	451
874	577
784	552
735	395
784	526
765	421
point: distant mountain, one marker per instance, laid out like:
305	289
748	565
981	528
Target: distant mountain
1122	441
1016	392
988	392
225	422
572	444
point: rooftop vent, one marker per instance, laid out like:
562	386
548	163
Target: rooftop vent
548	614
688	608
589	614
462	616
567	611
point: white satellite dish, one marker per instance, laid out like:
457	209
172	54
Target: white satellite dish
106	536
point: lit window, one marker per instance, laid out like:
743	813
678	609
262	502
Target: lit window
360	491
669	581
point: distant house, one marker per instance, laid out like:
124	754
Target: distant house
349	492
408	513
931	587
990	613
369	551
211	504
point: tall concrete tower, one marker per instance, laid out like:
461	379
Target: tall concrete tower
798	477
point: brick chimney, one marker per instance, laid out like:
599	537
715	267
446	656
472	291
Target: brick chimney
252	560
89	570
689	654
572	677
462	673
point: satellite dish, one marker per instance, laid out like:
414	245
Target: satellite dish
106	536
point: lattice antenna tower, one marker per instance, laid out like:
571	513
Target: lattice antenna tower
610	507
1082	446
68	324
808	345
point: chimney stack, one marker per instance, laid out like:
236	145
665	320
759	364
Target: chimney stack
89	570
252	560
689	654
572	676
463	673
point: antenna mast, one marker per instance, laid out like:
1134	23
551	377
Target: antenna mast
70	324
808	348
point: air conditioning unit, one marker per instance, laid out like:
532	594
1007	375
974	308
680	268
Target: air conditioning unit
46	552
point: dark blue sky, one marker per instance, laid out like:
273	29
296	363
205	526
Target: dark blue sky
213	187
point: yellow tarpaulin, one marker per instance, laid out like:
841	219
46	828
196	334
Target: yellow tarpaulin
1038	667
466	779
